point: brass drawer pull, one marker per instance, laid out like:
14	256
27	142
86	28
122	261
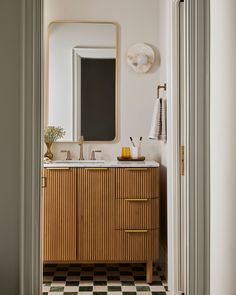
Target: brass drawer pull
136	231
58	168
137	169
96	169
136	200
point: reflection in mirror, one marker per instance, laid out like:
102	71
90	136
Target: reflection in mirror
94	93
82	80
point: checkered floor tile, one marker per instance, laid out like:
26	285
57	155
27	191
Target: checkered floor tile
101	279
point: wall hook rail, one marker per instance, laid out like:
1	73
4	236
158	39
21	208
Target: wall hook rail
160	87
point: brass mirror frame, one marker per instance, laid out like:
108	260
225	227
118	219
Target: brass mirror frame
46	78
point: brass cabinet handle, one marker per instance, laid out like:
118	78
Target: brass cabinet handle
58	168
136	200
96	169
136	231
44	182
137	169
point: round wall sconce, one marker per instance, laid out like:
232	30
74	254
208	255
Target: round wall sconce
140	57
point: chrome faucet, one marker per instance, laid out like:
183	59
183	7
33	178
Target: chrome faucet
80	143
68	155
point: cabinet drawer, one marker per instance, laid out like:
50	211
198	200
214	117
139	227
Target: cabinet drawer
137	245
137	213
137	183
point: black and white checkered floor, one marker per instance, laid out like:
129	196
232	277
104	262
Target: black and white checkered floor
101	279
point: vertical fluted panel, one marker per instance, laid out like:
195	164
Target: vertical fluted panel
137	246
83	221
137	215
137	183
96	222
133	214
60	215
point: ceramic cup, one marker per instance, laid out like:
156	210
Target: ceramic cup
135	152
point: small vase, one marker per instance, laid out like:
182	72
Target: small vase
49	154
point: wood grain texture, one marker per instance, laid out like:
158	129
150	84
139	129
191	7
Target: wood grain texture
96	222
143	246
101	215
137	183
149	271
137	213
60	215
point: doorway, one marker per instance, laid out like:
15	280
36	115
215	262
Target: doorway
63	272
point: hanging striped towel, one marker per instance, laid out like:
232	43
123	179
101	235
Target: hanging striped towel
156	121
163	135
158	126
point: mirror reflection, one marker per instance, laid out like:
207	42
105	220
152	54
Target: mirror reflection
82	80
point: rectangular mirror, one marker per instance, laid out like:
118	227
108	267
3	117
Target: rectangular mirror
82	80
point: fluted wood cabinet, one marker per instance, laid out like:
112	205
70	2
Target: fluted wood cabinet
95	203
102	215
60	215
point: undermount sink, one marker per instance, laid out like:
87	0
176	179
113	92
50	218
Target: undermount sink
80	161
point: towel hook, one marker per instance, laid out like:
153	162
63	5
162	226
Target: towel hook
160	87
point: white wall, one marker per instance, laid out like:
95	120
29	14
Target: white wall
223	147
138	21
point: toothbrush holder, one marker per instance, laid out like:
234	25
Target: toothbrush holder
135	152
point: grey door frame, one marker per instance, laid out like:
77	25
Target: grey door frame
198	145
197	23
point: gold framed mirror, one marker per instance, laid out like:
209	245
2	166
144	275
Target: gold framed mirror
81	94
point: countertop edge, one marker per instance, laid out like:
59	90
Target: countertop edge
106	164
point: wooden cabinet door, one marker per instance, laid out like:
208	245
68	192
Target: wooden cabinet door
60	214
96	220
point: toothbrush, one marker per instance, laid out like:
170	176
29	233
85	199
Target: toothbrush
140	141
131	139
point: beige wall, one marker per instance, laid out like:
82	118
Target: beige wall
138	21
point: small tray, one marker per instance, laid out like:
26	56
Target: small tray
131	159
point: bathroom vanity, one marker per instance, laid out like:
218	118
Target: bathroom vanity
101	212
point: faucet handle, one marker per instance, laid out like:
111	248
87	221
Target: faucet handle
81	140
68	155
93	155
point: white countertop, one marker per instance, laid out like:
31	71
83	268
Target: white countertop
110	164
